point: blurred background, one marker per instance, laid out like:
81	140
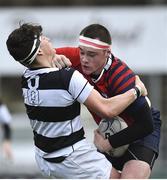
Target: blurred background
139	35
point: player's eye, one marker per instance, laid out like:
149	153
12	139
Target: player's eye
91	55
82	53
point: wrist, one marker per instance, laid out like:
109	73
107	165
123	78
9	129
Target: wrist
137	91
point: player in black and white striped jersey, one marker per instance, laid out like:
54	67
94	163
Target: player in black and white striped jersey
52	98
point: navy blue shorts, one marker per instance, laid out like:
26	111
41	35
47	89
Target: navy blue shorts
134	152
152	141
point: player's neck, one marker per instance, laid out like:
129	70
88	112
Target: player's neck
43	61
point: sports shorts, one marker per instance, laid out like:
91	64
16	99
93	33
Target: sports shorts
85	163
134	152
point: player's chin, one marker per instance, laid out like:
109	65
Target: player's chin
86	71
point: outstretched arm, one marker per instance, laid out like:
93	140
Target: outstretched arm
115	105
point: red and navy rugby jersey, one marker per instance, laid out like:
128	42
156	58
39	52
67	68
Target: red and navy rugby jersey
117	79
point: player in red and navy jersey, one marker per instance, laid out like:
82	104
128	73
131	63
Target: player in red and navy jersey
111	76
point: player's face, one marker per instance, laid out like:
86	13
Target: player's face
47	46
92	60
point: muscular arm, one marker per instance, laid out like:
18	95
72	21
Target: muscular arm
142	126
109	107
83	92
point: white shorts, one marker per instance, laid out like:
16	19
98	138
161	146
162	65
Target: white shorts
85	162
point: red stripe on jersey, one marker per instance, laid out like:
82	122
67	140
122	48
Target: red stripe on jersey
121	88
117	82
119	69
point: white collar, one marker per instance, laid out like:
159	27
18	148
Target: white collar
106	67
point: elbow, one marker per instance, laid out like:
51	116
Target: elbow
111	112
107	113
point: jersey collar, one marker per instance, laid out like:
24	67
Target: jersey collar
106	67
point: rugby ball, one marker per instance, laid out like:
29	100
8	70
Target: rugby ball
108	127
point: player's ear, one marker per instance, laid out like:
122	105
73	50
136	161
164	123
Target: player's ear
40	52
107	52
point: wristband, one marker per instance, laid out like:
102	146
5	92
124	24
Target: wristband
138	91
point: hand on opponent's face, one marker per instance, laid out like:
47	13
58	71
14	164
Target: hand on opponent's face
61	61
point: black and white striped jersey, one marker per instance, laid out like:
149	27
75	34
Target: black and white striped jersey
52	98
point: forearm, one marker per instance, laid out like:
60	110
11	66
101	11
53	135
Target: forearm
142	126
108	108
119	103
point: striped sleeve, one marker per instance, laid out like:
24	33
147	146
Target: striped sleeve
79	87
121	78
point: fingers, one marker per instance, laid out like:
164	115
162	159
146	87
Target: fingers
139	83
57	64
61	61
97	137
96	133
100	142
137	78
66	61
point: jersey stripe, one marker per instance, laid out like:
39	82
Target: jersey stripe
113	72
120	78
53	114
55	80
52	130
126	85
117	76
55	99
50	145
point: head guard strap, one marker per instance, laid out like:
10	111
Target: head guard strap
33	53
